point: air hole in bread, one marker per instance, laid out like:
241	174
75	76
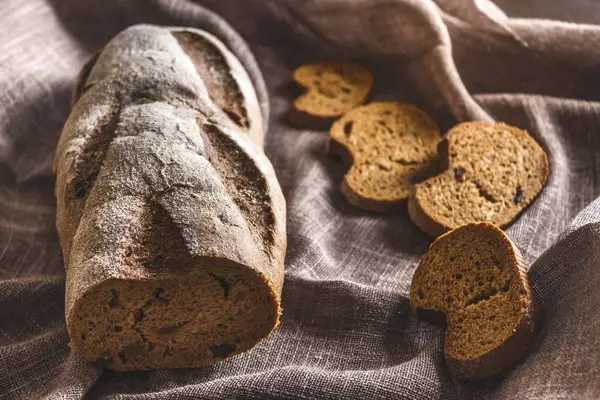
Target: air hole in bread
223	283
519	196
348	128
459	174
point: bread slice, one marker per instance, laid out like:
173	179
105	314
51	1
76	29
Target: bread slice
170	217
388	146
492	171
331	89
473	281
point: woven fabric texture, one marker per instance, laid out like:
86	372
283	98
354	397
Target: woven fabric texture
347	330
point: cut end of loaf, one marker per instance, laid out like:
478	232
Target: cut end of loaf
215	312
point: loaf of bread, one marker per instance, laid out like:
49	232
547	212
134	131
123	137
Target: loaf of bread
170	217
473	281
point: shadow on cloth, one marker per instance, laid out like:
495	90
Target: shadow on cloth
92	23
34	128
28	240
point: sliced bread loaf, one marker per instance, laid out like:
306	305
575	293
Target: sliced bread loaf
170	217
473	281
331	89
387	146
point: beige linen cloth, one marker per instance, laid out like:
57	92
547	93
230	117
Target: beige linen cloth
347	329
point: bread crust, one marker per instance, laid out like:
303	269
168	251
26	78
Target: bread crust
161	181
420	218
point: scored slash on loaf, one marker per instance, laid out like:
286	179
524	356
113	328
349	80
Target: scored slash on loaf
170	217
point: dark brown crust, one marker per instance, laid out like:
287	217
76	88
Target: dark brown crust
226	90
81	87
84	171
244	182
416	213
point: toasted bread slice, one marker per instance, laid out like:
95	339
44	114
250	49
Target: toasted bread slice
492	171
389	146
473	280
331	89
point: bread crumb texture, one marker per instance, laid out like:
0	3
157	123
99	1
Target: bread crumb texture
388	147
492	171
473	281
330	90
170	217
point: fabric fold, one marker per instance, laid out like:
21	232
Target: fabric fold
347	330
